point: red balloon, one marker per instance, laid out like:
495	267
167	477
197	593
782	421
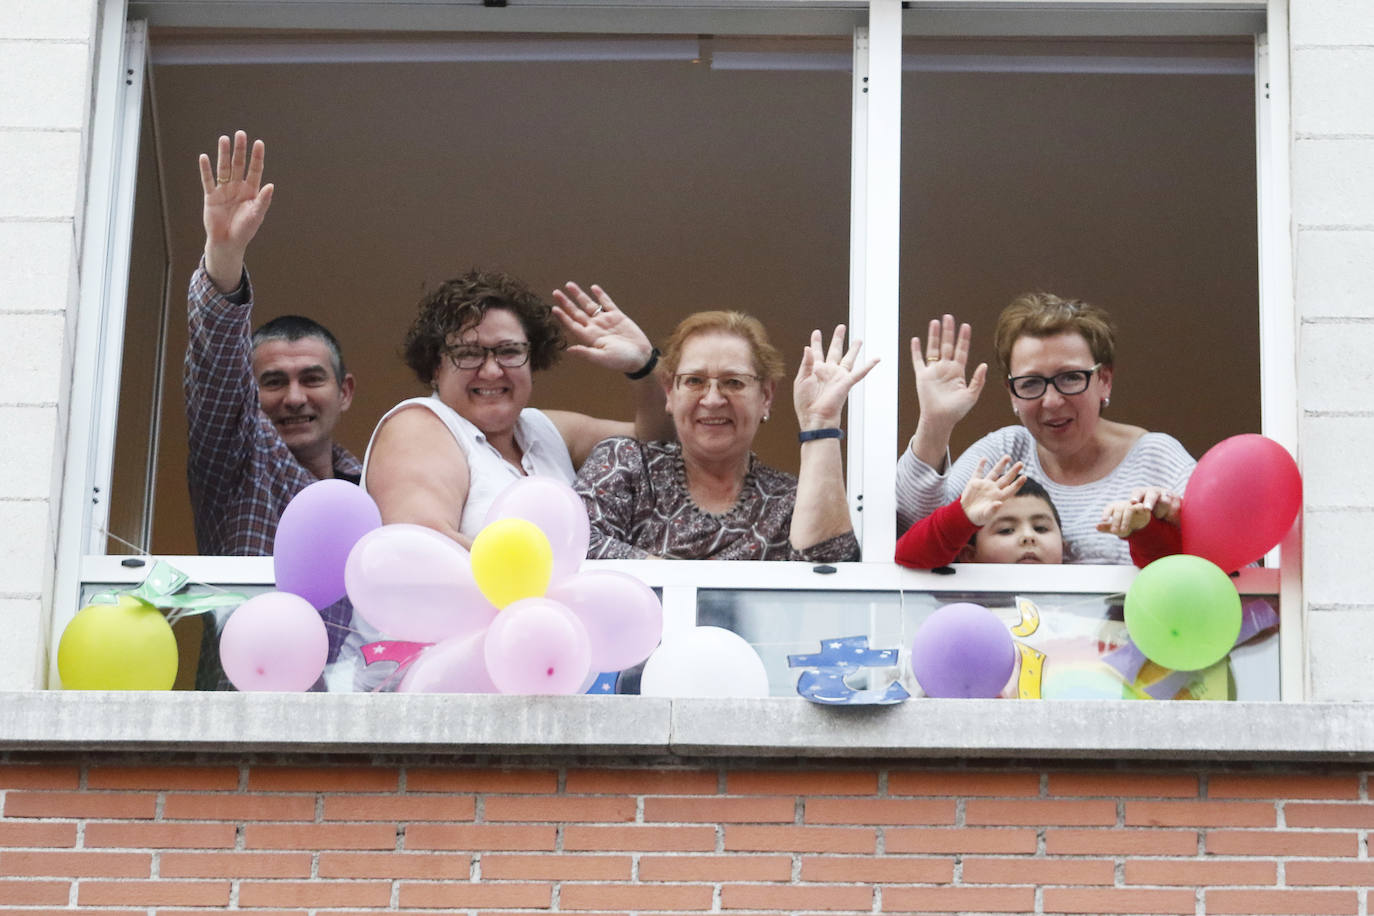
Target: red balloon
1243	497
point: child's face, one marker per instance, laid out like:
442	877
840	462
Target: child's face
1023	531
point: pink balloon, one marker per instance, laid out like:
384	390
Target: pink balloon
274	641
317	530
623	616
1241	500
455	665
413	583
537	646
558	511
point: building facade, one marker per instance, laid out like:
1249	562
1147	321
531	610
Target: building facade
406	804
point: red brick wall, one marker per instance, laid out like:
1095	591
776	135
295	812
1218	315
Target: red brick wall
120	834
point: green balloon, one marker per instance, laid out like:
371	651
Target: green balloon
1183	612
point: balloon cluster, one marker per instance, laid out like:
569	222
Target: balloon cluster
513	615
1182	612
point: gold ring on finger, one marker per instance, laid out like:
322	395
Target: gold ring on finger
221	181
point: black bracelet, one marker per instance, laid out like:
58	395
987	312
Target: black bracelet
646	368
810	435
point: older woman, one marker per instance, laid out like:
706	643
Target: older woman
706	496
1057	356
477	341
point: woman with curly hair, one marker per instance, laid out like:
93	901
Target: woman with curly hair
477	341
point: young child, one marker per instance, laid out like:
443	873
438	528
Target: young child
1001	517
1004	517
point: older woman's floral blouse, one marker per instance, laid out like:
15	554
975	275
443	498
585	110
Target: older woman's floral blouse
637	500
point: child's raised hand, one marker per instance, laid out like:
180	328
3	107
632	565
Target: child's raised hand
984	493
1125	517
1164	505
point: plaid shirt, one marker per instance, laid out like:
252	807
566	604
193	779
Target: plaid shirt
240	471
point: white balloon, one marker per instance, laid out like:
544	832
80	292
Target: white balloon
704	662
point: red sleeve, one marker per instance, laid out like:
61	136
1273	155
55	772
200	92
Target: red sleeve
936	539
1155	540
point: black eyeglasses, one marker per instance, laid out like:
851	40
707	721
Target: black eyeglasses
472	356
1030	387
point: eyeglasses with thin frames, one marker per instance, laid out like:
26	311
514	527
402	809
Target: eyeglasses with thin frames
473	356
1032	387
728	385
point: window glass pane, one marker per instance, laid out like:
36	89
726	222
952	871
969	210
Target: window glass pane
680	172
1118	172
1067	638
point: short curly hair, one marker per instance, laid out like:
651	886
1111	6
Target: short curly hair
1044	315
767	360
459	304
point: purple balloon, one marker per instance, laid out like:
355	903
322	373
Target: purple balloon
963	650
557	510
274	641
317	530
413	583
455	665
537	646
623	617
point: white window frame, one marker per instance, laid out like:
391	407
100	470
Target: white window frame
877	27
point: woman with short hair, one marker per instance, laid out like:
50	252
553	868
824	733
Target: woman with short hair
707	496
1057	356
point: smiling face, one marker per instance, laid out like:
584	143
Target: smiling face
1023	531
299	393
490	396
1061	424
711	425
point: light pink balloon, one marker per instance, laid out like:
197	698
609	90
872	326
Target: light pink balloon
274	641
537	646
455	665
623	616
413	583
558	511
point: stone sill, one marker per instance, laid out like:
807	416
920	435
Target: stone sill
626	726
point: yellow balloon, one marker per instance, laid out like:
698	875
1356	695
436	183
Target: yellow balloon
511	559
124	646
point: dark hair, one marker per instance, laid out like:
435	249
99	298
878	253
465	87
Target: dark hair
1034	489
1044	315
767	360
459	304
291	328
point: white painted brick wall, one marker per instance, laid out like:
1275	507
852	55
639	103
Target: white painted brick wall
23	545
1330	22
1340	671
1336	557
1335	273
37	261
1336	372
45	92
1331	181
1333	206
23	627
32	98
1334	447
1333	91
41	173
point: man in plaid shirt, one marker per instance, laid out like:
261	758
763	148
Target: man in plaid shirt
261	409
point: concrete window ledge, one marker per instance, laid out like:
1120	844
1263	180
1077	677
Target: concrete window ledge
641	726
